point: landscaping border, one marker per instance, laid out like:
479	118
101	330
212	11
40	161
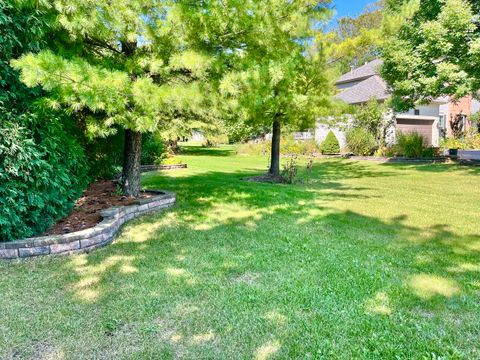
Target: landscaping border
88	239
147	168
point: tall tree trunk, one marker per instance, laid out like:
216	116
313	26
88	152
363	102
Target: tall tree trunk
131	163
133	142
275	153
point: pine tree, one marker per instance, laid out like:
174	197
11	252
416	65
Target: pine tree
273	78
132	65
330	145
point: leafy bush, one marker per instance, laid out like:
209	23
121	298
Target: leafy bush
288	146
104	155
371	117
470	141
330	145
42	172
256	149
153	148
430	152
387	151
215	140
411	144
360	142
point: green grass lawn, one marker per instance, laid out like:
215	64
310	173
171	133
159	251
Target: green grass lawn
366	261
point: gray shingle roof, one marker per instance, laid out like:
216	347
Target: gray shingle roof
363	72
373	87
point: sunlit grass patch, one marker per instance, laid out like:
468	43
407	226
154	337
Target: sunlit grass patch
367	261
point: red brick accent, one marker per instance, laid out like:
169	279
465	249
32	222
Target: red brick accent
462	106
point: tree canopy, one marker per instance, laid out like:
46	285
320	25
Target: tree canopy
355	40
434	51
132	65
273	76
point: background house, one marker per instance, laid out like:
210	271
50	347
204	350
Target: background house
360	85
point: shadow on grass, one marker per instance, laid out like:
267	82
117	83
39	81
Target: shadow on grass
434	168
207	278
231	254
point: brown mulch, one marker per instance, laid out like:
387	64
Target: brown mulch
99	196
267	178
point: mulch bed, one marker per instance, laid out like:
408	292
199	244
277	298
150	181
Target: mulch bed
99	196
267	178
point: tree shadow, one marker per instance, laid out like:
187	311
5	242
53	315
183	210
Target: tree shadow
434	168
381	272
237	269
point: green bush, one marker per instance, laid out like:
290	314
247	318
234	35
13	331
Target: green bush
42	172
288	146
360	142
104	155
330	145
255	149
470	141
153	148
411	144
387	151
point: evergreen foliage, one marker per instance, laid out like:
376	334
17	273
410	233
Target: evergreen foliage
42	167
42	172
275	78
134	67
330	145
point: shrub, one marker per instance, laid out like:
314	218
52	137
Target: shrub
104	155
470	141
42	172
371	117
256	149
360	142
212	141
290	171
430	152
153	148
411	145
330	145
288	146
387	151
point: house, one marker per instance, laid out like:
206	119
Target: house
432	120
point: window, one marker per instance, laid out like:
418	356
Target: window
442	121
417	112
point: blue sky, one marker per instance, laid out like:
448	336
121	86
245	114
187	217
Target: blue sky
349	7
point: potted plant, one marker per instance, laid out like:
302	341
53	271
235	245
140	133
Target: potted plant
452	145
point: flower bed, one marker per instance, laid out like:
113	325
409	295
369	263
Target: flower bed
88	239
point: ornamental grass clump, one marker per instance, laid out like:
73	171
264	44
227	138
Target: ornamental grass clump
411	145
